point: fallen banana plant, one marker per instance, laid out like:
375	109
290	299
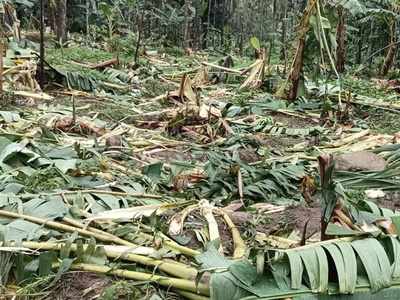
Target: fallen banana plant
186	92
134	212
201	77
103	236
86	231
386	180
140	255
177	283
207	211
256	73
337	267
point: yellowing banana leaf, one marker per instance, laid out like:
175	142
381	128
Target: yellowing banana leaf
256	76
186	93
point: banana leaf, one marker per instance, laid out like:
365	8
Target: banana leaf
338	269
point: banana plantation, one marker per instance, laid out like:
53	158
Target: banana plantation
199	149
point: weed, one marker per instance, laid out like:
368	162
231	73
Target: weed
120	290
383	122
42	180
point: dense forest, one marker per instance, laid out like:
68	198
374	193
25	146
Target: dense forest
200	149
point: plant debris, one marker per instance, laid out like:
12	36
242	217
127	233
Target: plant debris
130	169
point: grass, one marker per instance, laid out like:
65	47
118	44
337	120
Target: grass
378	120
42	180
365	87
80	54
383	121
119	289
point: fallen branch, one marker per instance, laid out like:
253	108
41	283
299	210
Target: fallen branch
101	65
40	96
222	68
107	63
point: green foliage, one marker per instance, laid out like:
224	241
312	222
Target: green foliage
41	274
46	179
118	289
84	78
331	190
6	263
388	179
10	116
79	54
27	3
255	43
260	183
170	18
305	272
386	123
125	45
353	6
79	80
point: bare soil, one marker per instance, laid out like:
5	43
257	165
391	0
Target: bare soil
80	286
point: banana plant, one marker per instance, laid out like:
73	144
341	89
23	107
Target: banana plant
28	3
110	12
354	7
347	268
388	13
344	8
329	195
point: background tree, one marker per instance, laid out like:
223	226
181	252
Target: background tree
58	17
341	40
392	20
355	30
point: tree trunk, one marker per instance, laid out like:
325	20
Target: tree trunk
297	68
241	38
391	54
207	29
370	44
223	13
42	50
58	18
139	38
87	14
297	65
341	41
52	16
188	25
360	45
283	36
1	65
274	25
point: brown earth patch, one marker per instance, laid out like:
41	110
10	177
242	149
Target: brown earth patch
79	286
